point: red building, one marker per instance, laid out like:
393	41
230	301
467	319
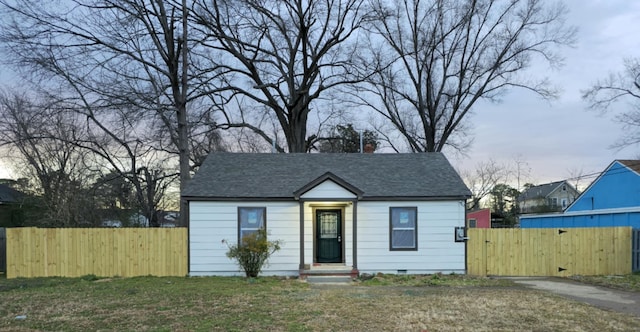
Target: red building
479	219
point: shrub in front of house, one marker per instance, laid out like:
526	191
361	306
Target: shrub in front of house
253	251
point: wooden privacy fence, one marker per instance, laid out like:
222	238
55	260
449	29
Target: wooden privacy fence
549	251
74	252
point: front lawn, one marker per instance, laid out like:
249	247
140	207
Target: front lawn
271	304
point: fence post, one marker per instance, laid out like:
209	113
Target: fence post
3	250
635	251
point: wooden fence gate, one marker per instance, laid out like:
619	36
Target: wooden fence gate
549	251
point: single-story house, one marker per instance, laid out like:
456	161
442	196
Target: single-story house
612	199
364	213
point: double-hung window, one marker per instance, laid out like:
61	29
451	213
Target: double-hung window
250	220
403	228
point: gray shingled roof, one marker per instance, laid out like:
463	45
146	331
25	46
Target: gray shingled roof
279	175
9	195
540	191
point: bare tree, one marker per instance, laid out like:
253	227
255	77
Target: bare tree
283	55
522	170
576	176
438	58
125	52
623	86
483	179
84	140
118	143
117	136
38	141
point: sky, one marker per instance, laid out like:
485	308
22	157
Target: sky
557	138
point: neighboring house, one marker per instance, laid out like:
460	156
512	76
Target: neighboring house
11	214
613	199
548	197
390	213
479	218
134	220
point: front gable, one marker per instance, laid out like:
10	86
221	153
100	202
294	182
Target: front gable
328	186
563	190
617	187
328	189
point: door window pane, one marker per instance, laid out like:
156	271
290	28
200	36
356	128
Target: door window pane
328	225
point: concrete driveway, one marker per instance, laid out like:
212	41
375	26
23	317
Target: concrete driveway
606	298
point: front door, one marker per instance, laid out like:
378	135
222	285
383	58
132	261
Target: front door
328	236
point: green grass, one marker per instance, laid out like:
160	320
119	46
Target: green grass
384	303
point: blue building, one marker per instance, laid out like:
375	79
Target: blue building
613	199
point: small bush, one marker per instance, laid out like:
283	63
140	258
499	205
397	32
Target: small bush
90	277
253	251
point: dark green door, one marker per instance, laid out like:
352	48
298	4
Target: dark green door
328	236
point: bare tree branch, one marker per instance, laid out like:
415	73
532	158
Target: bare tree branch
443	56
618	87
121	54
286	54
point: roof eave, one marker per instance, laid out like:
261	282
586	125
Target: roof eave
363	198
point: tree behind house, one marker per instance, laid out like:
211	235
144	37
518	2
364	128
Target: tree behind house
504	203
283	57
345	139
114	54
438	58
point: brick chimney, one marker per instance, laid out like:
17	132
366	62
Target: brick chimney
368	148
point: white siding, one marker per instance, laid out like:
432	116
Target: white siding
328	189
213	222
437	250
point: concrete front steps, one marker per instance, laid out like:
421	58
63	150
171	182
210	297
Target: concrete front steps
329	273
